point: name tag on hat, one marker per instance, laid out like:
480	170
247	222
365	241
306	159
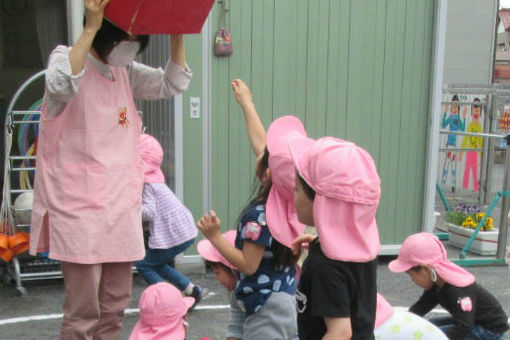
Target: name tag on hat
159	16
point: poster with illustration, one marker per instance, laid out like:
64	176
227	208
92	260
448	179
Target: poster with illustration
461	113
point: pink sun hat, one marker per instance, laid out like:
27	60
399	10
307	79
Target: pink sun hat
426	248
162	308
384	310
347	186
281	214
151	153
210	253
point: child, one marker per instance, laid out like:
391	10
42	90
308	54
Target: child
475	313
398	324
171	225
337	191
163	312
266	277
226	274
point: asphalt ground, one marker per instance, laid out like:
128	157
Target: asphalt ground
37	314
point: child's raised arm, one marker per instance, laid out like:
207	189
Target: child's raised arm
255	129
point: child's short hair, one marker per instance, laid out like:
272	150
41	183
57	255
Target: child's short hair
310	193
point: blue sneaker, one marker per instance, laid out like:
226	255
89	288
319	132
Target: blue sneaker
198	294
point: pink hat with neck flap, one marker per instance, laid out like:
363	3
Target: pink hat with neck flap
281	214
348	189
152	157
210	253
162	308
426	248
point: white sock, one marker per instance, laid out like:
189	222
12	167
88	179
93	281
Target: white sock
189	289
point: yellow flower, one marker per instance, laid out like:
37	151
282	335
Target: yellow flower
480	215
468	222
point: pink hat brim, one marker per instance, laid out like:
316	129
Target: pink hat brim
206	249
299	148
398	266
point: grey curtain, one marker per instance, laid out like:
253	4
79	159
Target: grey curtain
51	25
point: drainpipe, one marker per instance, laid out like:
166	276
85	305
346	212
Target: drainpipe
436	96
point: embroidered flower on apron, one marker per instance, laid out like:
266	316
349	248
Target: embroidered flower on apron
123	121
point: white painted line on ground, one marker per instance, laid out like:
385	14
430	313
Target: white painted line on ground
137	310
59	316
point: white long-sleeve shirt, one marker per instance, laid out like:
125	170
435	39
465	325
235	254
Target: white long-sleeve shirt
146	82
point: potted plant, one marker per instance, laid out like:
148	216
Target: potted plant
463	220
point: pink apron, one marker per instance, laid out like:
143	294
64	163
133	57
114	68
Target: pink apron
89	177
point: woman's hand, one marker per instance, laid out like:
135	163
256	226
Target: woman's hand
94	10
301	242
241	92
210	225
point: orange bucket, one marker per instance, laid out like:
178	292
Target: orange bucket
18	242
6	254
4	242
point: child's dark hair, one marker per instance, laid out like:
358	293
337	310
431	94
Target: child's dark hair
283	255
309	192
210	264
416	268
476	100
110	36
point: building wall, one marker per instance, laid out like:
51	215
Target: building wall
357	70
470	37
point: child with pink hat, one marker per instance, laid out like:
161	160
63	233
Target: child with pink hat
399	324
266	279
337	192
163	312
475	313
171	225
226	274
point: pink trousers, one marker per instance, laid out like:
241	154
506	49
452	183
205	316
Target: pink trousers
471	166
95	298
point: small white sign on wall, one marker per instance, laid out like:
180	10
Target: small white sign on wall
194	107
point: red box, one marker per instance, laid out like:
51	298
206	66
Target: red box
159	16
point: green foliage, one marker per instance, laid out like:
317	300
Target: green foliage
456	217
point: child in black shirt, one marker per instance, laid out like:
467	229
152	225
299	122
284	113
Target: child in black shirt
337	191
475	313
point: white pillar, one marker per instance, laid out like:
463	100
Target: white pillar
436	96
75	12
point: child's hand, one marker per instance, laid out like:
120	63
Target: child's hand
210	225
301	243
94	10
241	92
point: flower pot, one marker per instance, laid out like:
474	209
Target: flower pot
485	243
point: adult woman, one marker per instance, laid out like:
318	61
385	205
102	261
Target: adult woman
89	178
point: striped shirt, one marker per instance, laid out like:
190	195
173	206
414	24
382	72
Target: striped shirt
170	222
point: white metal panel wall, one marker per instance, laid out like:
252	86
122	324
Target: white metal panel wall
470	34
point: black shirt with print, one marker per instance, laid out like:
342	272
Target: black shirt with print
468	306
330	288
